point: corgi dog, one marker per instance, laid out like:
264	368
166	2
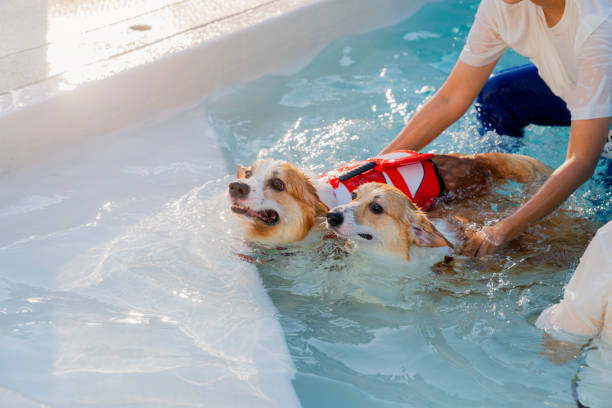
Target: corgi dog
280	204
381	216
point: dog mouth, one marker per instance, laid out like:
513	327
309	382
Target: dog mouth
351	234
268	217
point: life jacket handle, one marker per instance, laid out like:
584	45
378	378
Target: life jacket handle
357	171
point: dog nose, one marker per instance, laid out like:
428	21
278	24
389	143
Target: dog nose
238	189
334	219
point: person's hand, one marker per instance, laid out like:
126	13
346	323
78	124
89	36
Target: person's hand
486	240
559	352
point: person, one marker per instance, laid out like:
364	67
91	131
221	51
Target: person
569	82
585	315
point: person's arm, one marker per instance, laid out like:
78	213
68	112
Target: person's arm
444	108
587	138
557	351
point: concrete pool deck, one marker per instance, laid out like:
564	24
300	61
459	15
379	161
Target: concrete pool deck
76	72
51	50
64	43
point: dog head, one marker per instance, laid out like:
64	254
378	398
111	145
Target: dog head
382	215
277	201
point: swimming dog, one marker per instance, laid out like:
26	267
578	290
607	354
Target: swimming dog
281	204
382	216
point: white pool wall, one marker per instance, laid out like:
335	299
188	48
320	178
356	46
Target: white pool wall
278	45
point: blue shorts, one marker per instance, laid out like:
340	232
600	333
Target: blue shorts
516	97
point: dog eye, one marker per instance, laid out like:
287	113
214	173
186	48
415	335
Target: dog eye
353	195
248	173
277	184
376	208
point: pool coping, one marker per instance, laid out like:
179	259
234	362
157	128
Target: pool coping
57	119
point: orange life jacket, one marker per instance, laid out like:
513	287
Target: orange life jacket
411	172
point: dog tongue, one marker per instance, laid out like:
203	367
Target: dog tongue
265	215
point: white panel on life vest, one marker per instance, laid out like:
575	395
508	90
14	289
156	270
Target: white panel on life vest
343	196
413	176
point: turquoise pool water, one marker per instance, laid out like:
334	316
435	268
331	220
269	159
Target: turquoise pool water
366	332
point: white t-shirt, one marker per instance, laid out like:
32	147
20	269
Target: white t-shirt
574	57
586	308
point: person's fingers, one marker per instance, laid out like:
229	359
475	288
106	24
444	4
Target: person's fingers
476	249
483	249
488	239
470	248
487	247
477	245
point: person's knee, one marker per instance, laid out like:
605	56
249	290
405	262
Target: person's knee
489	94
492	110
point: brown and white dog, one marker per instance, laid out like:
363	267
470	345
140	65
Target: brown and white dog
281	204
383	217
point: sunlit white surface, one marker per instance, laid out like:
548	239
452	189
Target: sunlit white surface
56	45
130	75
65	38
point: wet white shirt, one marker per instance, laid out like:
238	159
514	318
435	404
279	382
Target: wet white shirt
574	57
586	308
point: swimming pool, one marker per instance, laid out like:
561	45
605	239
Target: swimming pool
120	286
367	333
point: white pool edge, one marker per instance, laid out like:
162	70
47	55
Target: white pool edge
33	132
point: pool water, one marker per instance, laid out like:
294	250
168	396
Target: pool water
367	331
119	284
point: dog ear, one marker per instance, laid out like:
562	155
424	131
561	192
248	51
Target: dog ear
240	171
429	238
423	231
301	186
426	235
320	207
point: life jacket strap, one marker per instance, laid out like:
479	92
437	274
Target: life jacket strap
357	171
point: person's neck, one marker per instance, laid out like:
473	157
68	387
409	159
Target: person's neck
553	10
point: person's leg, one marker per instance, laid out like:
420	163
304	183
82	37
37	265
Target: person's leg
516	97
